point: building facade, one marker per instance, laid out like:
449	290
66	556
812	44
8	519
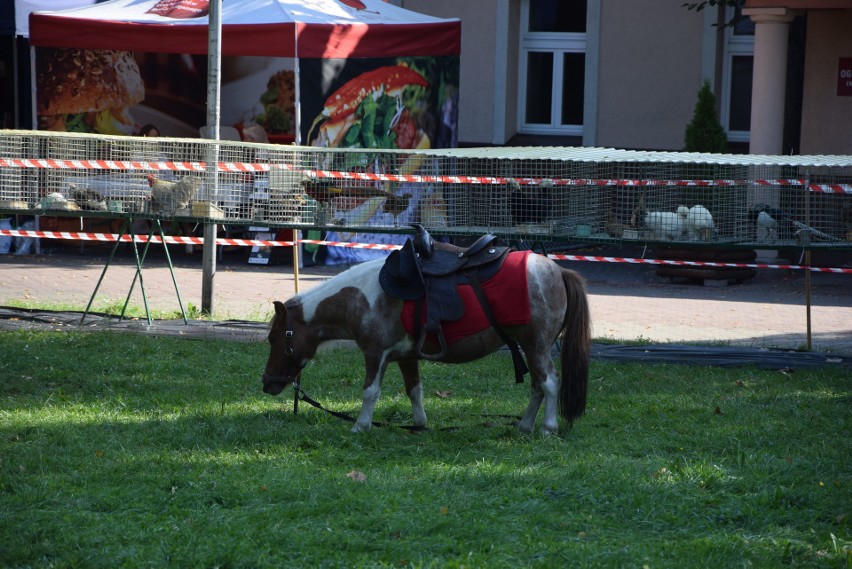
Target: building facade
619	73
626	73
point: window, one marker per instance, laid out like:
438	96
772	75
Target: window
553	66
739	94
566	16
737	70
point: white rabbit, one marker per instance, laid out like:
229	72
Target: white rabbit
665	225
699	223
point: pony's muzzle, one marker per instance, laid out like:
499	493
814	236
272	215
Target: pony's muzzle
273	385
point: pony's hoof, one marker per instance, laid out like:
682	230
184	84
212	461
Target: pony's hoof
360	428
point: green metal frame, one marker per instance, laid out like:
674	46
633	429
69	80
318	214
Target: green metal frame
140	261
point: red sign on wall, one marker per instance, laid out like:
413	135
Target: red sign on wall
844	77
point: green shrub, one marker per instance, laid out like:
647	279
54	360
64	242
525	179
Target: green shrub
705	133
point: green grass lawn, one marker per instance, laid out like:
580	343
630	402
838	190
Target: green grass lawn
131	451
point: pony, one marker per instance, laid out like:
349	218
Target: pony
353	306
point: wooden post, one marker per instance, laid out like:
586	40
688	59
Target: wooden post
296	260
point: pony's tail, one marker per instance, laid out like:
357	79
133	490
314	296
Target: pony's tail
576	346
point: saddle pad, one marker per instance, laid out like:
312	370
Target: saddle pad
506	292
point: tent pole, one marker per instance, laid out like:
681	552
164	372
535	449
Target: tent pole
214	64
34	122
16	79
298	88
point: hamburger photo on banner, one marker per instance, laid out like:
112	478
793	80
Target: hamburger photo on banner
278	117
80	90
377	109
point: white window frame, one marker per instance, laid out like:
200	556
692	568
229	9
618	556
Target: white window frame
558	44
735	46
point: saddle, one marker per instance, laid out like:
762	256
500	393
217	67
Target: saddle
429	273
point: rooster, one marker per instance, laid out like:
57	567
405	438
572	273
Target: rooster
768	217
766	226
766	220
170	197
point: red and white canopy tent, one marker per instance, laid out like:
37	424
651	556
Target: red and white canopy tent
275	28
298	29
272	28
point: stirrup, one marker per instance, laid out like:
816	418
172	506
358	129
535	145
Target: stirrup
436	357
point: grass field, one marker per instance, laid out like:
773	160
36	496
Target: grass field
131	451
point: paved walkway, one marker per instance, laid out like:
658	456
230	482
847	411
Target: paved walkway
628	302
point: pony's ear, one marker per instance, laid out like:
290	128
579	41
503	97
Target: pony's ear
279	309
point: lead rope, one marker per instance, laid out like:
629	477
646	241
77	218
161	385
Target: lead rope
299	393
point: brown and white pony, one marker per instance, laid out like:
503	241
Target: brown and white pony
353	306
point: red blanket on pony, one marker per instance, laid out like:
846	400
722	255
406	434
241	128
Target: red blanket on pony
506	292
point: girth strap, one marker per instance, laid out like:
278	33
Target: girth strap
518	362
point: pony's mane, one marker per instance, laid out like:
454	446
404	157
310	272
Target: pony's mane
355	275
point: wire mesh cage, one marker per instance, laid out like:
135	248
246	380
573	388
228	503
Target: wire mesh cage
564	194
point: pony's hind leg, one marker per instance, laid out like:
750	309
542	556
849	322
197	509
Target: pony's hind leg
411	374
536	397
545	387
550	387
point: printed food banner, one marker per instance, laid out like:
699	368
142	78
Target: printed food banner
404	102
120	93
260	90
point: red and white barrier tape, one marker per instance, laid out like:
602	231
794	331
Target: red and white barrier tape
696	263
480	180
112	237
140	238
248	167
350	245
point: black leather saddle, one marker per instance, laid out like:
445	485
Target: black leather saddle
429	272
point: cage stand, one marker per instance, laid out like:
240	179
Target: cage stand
140	261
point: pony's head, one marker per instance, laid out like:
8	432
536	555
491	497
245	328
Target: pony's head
289	347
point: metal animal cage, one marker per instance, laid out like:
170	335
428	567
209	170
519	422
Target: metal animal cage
561	194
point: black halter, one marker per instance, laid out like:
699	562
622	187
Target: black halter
288	343
289	351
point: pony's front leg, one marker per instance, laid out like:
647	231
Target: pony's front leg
411	374
375	370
